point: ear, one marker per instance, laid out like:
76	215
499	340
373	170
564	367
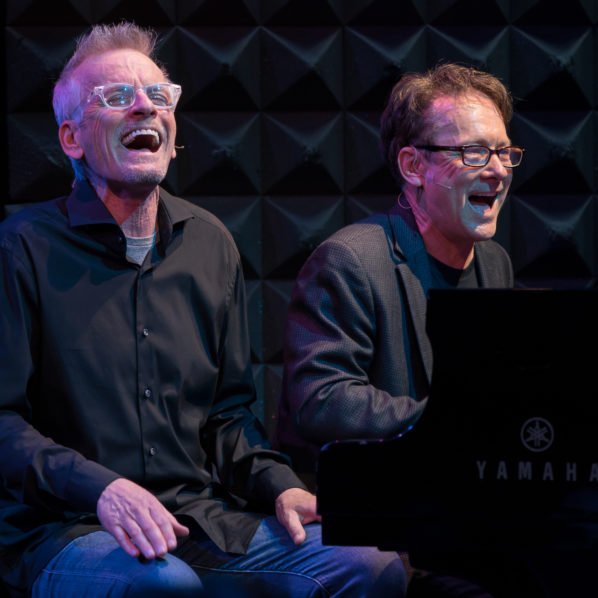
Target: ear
67	134
409	165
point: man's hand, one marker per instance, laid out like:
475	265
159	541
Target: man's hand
137	520
295	507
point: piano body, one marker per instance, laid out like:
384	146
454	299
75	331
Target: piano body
505	454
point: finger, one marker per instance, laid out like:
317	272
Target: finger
178	528
309	517
292	522
169	528
157	531
124	541
146	536
131	537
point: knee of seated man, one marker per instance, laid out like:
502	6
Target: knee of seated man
373	573
166	577
387	575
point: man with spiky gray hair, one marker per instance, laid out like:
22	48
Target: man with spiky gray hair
130	461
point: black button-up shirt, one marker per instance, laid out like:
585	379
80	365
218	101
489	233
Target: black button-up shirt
109	369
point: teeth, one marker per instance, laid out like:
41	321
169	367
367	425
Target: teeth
127	139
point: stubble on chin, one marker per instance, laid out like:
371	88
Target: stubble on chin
144	177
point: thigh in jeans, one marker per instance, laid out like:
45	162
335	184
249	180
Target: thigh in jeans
274	567
94	566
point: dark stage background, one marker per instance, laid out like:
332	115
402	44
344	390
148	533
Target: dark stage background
279	119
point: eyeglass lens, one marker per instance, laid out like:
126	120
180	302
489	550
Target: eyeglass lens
480	155
122	96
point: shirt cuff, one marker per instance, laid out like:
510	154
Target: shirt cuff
87	481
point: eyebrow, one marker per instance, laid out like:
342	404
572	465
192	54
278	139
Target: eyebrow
484	143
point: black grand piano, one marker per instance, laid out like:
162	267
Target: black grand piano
505	454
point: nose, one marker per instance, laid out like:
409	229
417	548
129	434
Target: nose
142	104
496	168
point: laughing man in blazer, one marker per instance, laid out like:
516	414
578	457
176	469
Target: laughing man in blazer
357	358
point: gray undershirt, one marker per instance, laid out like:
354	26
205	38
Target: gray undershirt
139	247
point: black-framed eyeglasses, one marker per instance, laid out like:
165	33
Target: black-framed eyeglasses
120	96
479	155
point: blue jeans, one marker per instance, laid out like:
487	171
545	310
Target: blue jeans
94	566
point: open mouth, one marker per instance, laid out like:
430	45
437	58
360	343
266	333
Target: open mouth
142	139
482	201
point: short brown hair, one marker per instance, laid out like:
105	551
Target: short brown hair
403	119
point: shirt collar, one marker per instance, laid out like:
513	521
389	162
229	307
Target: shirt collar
84	208
174	209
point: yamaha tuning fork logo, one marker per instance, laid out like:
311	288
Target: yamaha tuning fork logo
537	434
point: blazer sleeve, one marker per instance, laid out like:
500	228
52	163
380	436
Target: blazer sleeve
330	350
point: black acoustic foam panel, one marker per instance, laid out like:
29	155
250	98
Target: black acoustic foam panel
279	122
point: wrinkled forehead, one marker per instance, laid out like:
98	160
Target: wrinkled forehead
449	115
117	66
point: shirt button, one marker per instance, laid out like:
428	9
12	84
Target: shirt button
145	332
152	451
147	393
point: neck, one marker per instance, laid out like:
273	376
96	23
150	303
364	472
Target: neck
448	253
135	213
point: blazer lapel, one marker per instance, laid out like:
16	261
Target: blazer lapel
414	276
490	275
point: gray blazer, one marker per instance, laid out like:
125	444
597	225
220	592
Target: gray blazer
358	361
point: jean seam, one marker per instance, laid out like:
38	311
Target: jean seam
92	573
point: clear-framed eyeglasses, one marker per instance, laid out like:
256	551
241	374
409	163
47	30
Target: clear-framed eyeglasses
120	96
479	155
